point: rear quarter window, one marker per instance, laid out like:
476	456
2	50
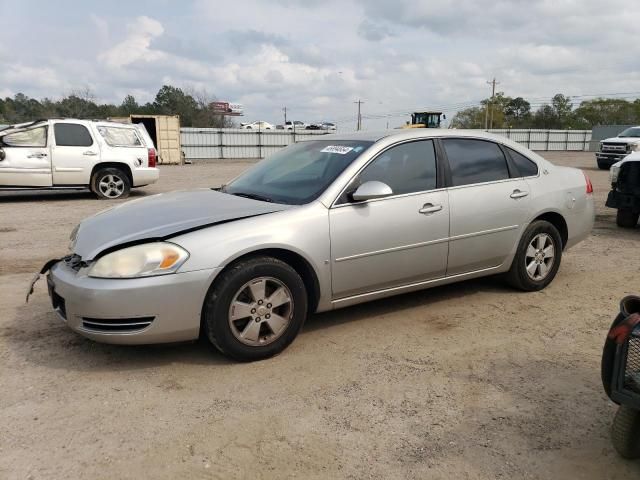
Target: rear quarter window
120	137
526	167
72	135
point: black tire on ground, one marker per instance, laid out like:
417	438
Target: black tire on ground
110	183
517	275
215	313
626	218
625	432
603	166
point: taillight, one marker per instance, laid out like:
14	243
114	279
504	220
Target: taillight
589	184
152	158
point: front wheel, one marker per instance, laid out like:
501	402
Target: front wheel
255	309
110	183
537	258
626	218
603	166
625	432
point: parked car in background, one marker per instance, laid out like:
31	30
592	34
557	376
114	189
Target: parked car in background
625	190
257	126
296	124
614	149
331	127
322	224
107	157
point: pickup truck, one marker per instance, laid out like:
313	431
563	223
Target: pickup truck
109	158
614	149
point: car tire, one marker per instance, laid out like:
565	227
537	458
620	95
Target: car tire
264	330
626	218
603	166
625	432
110	184
524	277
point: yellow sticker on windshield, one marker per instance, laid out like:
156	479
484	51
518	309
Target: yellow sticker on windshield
339	149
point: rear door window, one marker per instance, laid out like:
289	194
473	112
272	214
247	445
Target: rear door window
35	137
475	161
526	167
72	135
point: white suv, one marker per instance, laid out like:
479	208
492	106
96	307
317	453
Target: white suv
108	157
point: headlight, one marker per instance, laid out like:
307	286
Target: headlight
634	147
613	173
143	260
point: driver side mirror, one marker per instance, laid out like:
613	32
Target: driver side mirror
3	154
371	190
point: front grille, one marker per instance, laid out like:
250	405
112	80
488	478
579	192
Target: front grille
73	261
632	366
614	147
116	325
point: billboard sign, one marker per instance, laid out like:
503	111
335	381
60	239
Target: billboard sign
226	108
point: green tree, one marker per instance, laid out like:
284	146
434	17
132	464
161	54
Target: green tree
173	101
472	117
129	106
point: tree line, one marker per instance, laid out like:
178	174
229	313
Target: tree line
193	107
560	113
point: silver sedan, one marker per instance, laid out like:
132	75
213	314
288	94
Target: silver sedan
322	224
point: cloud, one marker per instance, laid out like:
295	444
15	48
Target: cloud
136	47
318	57
373	32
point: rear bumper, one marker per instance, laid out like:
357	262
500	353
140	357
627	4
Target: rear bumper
145	176
160	309
619	200
580	223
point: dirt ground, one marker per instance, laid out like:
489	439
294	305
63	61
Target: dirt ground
467	381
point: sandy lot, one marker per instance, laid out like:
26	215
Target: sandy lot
469	381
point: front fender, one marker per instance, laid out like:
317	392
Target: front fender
303	231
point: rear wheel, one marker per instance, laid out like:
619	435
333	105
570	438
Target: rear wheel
626	218
625	432
110	183
537	258
255	309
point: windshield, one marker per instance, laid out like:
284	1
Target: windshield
630	132
299	173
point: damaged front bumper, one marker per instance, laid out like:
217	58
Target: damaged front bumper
157	309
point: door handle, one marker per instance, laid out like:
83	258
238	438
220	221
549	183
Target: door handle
89	153
428	208
518	194
37	155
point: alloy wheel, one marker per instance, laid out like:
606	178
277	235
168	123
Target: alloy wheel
540	257
111	186
261	311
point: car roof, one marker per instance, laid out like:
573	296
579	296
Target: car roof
410	133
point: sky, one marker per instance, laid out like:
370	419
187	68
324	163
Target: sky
318	57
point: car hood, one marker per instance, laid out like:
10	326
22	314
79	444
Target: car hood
162	216
624	140
632	157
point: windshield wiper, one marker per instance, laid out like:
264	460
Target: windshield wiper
253	196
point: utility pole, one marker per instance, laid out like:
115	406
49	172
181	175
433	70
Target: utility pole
284	109
359	121
493	84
